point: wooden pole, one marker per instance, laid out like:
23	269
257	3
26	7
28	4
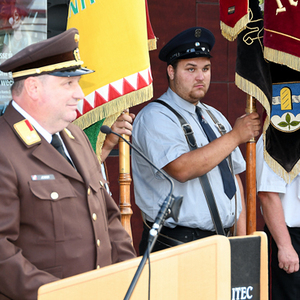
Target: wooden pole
251	174
125	182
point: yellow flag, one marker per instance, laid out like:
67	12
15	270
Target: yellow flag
114	43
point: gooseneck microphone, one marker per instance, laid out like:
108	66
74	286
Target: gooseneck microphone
107	130
169	208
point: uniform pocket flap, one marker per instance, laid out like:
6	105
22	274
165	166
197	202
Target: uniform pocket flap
53	190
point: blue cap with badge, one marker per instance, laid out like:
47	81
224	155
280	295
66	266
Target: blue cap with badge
193	42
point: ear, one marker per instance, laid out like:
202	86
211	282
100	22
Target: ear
171	72
32	87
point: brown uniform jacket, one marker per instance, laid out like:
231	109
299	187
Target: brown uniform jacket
55	222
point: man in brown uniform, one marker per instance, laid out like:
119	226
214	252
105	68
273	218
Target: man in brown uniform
56	218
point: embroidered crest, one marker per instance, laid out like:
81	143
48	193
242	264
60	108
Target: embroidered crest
285	114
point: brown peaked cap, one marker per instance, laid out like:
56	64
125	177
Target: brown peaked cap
58	56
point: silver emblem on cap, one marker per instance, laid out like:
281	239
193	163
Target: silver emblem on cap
197	33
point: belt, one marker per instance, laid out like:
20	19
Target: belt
168	236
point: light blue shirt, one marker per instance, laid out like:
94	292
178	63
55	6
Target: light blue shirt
158	134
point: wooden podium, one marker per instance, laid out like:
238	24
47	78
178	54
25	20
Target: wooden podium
196	270
190	271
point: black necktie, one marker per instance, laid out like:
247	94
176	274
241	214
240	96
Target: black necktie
228	181
57	144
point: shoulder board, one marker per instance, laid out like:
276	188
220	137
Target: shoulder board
26	132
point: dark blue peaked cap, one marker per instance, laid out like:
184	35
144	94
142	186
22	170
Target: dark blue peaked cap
193	42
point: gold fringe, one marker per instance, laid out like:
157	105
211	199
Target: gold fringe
252	90
288	177
282	58
231	33
152	44
115	106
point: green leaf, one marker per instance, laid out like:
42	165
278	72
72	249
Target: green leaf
288	118
295	123
283	124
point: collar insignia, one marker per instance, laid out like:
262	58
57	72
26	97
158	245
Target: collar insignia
70	135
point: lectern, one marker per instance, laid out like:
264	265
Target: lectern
196	270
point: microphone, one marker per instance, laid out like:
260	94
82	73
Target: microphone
170	206
107	130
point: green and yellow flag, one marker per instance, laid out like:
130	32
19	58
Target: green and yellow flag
113	42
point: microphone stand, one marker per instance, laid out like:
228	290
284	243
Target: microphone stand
163	214
169	208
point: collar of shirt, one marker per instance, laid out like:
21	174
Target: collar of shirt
178	101
43	132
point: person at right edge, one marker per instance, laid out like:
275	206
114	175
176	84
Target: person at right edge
158	133
280	204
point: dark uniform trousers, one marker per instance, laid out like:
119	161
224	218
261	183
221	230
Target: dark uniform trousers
283	286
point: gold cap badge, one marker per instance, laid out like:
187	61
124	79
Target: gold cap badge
76	37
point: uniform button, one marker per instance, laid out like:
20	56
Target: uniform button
54	195
98	267
101	183
94	217
88	191
98	242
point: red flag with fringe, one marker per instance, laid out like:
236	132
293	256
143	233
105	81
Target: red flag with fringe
282	33
233	17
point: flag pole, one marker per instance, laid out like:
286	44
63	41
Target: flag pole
125	182
251	174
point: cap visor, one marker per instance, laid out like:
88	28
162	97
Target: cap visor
71	73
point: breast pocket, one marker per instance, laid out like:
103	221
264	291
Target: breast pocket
56	210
